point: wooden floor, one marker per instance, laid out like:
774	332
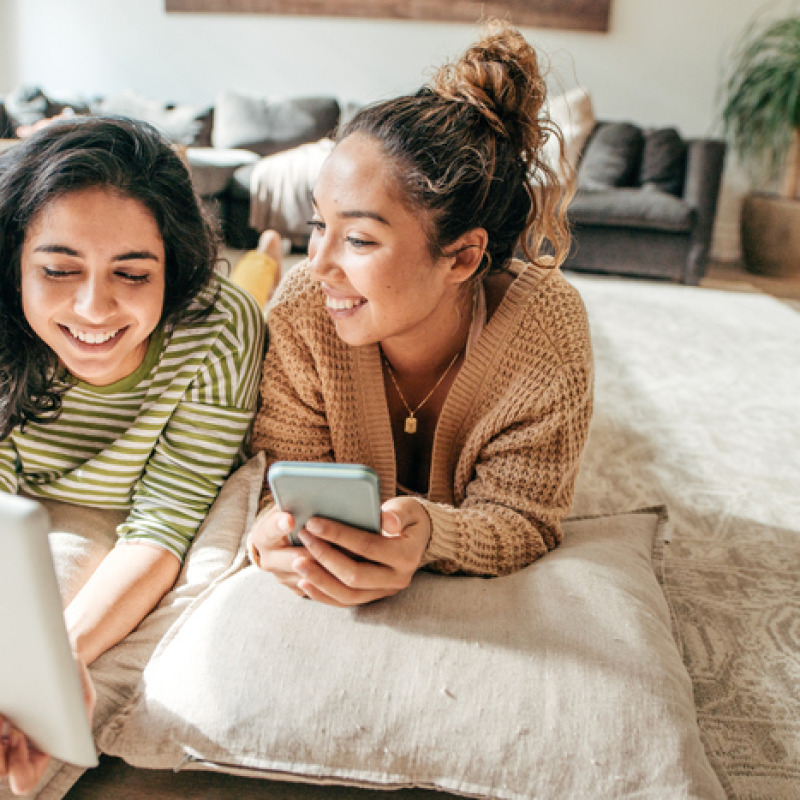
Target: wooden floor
734	277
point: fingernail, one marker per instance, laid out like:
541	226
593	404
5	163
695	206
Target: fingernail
284	525
313	525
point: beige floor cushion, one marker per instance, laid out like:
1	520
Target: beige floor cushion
562	680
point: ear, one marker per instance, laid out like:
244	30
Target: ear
466	254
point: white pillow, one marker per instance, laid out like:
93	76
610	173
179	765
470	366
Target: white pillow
573	112
562	680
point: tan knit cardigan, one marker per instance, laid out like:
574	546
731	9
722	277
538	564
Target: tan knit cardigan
509	438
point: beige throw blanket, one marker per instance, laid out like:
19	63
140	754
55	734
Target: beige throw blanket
280	190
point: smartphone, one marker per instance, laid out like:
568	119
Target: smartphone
348	493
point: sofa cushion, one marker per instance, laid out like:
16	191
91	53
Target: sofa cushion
612	156
266	125
574	114
663	161
183	124
644	207
562	680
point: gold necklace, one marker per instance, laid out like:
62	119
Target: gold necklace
410	425
411	420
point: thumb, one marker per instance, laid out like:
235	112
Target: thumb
394	518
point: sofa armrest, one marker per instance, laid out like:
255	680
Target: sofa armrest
704	163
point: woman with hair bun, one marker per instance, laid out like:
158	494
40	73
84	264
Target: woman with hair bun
412	340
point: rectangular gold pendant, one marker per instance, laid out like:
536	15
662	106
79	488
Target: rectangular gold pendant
411	425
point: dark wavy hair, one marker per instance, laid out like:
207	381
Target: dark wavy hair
468	151
117	154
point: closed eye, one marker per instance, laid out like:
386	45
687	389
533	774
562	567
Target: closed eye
132	277
55	272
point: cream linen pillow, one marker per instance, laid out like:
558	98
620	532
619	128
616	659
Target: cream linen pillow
573	112
81	538
562	680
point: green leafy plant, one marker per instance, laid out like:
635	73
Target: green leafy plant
761	114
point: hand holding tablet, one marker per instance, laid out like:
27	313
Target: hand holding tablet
44	692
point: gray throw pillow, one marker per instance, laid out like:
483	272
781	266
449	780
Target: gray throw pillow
612	156
663	161
181	124
268	126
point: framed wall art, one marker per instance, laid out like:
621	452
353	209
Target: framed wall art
584	15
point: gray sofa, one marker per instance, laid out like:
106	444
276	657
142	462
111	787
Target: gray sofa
645	203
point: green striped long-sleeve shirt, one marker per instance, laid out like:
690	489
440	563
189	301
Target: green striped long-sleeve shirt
159	442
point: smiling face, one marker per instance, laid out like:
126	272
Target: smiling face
370	254
92	282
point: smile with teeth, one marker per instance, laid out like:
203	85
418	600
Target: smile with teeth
93	338
344	304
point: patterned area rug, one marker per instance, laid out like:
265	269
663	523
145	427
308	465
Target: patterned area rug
698	407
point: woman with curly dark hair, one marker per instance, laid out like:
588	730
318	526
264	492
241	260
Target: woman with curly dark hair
414	341
128	369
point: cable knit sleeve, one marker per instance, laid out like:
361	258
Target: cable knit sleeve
291	423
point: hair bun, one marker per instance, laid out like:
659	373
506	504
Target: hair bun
499	75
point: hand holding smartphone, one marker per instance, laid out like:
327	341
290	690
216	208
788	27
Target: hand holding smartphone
347	493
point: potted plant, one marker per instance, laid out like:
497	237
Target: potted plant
761	117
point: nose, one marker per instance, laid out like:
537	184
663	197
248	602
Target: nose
322	257
95	300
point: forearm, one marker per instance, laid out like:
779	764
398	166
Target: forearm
126	586
488	540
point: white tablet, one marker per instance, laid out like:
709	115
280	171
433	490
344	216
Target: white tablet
40	687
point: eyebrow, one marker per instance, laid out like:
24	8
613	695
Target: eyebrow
357	214
132	255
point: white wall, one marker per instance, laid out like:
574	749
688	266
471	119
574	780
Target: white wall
659	64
